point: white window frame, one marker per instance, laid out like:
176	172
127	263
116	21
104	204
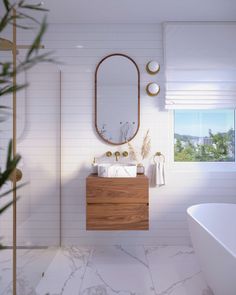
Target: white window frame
196	166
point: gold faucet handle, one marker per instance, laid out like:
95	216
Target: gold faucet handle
109	154
125	154
117	155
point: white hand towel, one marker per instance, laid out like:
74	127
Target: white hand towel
158	174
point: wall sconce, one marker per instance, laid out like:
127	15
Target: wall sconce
153	89
152	67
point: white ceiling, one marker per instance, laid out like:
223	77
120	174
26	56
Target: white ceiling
139	11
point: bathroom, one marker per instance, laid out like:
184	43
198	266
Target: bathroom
53	243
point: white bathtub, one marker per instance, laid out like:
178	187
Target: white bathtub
213	233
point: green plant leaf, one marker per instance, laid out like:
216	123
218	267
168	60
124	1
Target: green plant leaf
37	6
26	16
4	208
4	107
9	154
8	16
11	164
11	88
6	4
5	81
13	189
37	41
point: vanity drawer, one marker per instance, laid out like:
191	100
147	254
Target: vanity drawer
117	217
117	190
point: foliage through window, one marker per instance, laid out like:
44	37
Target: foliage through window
204	136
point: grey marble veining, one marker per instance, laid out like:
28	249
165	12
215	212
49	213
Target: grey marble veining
175	271
66	272
30	266
111	270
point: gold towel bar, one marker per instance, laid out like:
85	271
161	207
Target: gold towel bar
160	156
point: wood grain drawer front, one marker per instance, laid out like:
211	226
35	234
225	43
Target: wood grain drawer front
117	217
117	190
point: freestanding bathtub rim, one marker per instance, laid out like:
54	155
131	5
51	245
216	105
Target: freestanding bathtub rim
202	225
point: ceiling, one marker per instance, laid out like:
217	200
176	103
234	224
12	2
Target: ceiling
139	11
136	11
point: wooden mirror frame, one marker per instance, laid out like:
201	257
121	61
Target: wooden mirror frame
96	72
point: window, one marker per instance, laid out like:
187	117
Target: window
204	136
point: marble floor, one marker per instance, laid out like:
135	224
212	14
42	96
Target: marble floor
30	266
111	270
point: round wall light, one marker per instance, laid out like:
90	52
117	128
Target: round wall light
153	89
153	67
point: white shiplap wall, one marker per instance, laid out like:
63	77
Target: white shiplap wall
168	223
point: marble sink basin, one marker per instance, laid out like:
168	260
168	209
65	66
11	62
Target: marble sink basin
117	170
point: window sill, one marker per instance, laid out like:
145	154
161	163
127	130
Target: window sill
202	167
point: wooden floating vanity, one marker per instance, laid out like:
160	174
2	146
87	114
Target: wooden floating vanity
117	203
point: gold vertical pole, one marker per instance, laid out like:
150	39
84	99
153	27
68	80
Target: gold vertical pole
14	52
60	154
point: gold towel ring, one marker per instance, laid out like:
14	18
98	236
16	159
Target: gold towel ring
160	156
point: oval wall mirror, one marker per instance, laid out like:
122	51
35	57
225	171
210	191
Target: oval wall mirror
117	99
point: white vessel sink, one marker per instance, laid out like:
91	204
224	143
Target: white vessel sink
117	170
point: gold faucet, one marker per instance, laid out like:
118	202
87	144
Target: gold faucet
117	155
